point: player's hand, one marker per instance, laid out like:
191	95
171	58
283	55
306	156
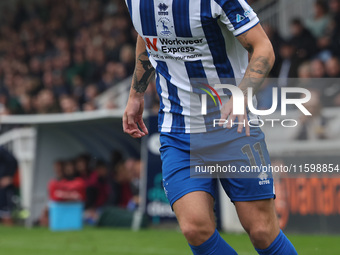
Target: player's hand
133	117
227	114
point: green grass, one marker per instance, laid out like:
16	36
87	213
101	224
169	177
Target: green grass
40	241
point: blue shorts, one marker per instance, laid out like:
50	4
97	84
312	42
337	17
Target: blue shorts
180	153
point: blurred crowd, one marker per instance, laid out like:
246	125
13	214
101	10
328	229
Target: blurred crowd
97	183
312	51
57	56
310	59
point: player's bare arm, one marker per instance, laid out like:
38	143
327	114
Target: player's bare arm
143	73
262	58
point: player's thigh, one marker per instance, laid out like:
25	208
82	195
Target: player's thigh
195	208
254	213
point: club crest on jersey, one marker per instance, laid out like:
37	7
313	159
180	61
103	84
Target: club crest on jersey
164	24
162	7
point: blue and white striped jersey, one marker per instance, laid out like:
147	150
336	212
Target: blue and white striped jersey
189	39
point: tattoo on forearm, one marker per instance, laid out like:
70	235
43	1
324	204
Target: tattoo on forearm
259	65
143	73
258	70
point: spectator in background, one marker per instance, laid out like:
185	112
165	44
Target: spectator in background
66	186
317	69
304	71
305	75
27	104
288	66
68	104
121	185
333	67
120	72
8	168
303	40
58	168
89	107
97	191
116	158
98	188
45	102
127	57
91	92
321	20
82	166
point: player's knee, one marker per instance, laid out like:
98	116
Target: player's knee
260	235
197	232
196	235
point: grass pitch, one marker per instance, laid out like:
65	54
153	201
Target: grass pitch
40	241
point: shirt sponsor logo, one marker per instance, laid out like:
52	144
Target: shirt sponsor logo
173	46
180	45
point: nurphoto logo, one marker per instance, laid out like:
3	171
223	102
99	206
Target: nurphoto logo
239	103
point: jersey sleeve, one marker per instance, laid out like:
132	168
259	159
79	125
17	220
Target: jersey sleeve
237	15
